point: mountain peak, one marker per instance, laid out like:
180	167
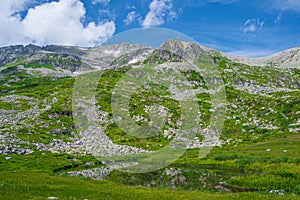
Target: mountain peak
184	49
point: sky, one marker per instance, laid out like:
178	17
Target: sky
252	28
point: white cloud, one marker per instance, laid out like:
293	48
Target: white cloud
51	23
6	6
131	17
160	10
278	18
252	25
222	1
286	5
100	1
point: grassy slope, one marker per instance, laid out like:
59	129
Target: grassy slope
35	174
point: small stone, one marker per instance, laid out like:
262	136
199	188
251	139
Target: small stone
52	198
268	150
223	183
284	151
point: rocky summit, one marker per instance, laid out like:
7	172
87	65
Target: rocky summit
246	110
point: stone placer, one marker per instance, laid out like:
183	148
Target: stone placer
99	173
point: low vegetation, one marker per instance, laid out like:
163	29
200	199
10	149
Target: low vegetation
259	157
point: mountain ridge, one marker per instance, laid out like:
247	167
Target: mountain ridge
102	56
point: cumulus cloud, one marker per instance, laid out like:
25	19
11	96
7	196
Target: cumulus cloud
160	10
51	23
131	17
252	25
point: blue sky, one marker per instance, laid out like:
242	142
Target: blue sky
241	27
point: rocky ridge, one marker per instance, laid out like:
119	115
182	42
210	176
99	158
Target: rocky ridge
286	59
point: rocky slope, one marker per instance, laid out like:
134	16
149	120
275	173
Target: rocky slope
36	90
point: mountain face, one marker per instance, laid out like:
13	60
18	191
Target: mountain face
32	68
37	115
286	59
12	53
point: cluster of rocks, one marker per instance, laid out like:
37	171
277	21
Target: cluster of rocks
173	178
260	90
98	143
223	187
14	149
280	192
10	144
259	124
95	173
61	131
294	130
295	127
73	146
13	117
93	138
14	98
37	72
172	172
